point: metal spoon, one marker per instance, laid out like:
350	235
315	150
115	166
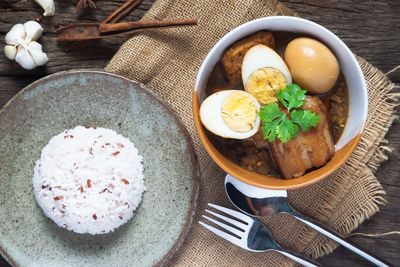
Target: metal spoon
259	202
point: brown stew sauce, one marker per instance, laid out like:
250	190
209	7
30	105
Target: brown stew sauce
258	159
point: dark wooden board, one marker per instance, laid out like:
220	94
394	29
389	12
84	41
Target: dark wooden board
370	28
95	55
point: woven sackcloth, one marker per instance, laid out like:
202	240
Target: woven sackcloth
167	62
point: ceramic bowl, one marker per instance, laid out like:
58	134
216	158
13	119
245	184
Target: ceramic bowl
353	75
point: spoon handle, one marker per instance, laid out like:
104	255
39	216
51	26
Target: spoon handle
336	237
299	258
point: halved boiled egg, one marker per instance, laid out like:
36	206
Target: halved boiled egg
263	73
231	114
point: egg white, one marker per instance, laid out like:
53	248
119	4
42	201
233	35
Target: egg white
211	116
261	56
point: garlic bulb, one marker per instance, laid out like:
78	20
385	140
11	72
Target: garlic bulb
22	46
48	6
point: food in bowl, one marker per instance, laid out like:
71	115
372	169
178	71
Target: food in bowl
263	73
312	65
232	59
300	125
231	114
89	180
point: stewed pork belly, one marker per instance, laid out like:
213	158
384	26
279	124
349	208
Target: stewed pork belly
308	150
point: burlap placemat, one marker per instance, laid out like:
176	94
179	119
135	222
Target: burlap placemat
167	62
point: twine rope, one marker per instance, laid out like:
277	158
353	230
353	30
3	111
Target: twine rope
376	234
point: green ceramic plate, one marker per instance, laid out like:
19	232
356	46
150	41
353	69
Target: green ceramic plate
63	101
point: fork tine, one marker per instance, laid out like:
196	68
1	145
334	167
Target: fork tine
236	223
228	237
233	213
225	226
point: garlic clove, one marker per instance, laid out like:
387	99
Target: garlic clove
35	49
16	35
21	45
33	30
25	59
48	6
10	52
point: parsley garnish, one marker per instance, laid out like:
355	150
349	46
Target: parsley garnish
278	124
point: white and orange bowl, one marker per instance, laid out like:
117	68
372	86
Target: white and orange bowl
348	65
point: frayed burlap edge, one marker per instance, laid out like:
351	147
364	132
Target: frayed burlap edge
373	147
320	245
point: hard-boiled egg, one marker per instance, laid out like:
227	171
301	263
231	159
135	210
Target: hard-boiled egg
263	73
312	64
231	114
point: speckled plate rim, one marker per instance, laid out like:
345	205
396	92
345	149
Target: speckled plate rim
193	157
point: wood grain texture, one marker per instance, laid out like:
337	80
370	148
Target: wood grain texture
95	55
369	28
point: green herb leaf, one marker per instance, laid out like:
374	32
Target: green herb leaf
305	119
287	130
270	130
271	117
270	112
277	124
292	96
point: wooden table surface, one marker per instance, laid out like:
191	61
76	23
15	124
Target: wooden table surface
370	28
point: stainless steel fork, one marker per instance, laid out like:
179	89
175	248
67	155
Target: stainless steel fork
248	233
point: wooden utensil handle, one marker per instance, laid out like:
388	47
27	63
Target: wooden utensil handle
123	26
122	11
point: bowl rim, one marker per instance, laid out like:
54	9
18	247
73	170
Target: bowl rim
252	178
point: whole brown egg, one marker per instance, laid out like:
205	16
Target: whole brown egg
312	65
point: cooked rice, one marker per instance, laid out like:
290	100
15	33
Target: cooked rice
89	180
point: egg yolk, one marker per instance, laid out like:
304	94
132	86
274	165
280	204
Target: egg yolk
239	112
263	84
